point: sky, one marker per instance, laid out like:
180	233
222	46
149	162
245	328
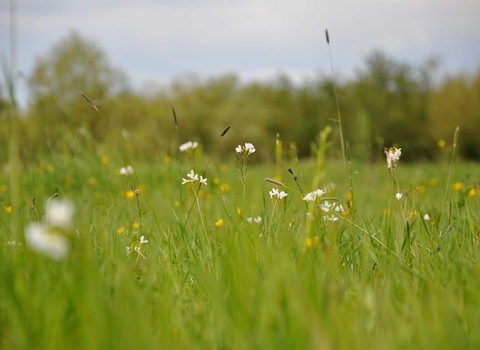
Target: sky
157	41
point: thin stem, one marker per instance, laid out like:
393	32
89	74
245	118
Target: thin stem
336	102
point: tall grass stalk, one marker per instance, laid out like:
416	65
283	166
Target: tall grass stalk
339	115
450	169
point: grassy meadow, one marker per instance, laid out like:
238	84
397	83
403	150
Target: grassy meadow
151	263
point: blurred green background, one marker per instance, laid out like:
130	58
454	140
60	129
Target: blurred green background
388	102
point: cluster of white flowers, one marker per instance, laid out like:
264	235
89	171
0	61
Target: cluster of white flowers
127	170
279	194
188	145
393	156
256	220
249	148
47	238
194	178
137	247
313	196
328	207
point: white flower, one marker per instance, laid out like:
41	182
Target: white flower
330	218
393	156
275	193
249	148
143	240
312	196
126	170
188	145
426	217
59	213
398	196
194	178
326	206
53	245
340	209
257	220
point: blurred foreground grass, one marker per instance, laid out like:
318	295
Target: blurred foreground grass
351	283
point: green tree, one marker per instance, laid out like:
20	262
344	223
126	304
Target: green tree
72	65
393	99
457	103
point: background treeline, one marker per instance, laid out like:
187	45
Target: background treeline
387	102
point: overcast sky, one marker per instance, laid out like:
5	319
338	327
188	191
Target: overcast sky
158	40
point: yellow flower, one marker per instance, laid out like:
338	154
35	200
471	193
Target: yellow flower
441	143
130	194
216	181
136	225
167	159
312	242
50	168
219	223
177	203
3	188
432	182
472	192
421	189
8	209
92	181
239	211
105	160
457	186
224	187
120	230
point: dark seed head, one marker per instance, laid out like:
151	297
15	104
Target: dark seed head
174	116
225	131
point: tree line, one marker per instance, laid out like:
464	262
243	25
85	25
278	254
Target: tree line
388	102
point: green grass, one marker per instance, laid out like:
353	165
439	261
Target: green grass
241	285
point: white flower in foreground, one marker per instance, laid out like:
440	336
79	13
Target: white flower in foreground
194	178
313	196
143	240
188	145
393	156
279	194
398	196
128	170
59	213
249	148
426	217
53	245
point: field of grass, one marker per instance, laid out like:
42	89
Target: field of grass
156	264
